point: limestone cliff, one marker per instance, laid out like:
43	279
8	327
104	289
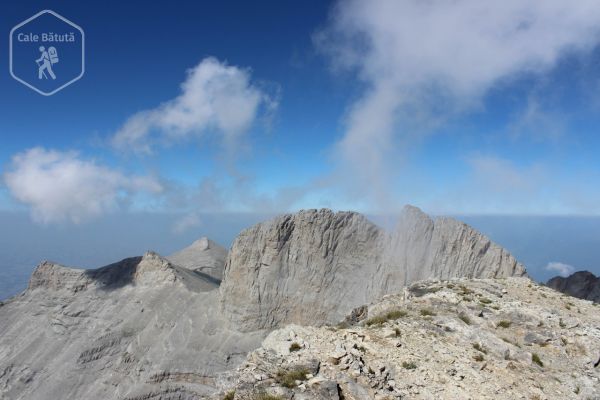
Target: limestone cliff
315	266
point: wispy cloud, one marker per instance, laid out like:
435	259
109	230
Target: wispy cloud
62	186
562	269
187	222
215	98
426	60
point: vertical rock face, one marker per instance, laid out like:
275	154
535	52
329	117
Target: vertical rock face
299	268
581	284
313	267
444	248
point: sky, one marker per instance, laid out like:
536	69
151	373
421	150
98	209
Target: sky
191	108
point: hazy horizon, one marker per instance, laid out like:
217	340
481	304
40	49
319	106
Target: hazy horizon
536	241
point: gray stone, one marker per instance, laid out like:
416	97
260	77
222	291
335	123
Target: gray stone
315	266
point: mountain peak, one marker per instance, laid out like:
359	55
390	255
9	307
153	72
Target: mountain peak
204	256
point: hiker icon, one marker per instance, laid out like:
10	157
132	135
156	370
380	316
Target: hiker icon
46	61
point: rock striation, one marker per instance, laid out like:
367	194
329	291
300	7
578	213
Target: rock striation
581	284
315	266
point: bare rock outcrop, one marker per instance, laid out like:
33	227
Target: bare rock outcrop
315	266
457	339
581	284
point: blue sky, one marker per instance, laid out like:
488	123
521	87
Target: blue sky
521	140
192	108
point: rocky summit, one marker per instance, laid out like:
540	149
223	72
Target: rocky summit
403	310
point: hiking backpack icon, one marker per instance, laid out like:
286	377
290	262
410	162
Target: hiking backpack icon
53	55
46	61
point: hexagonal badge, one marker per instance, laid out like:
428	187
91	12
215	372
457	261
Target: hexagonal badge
47	52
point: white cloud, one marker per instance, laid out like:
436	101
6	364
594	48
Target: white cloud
424	60
61	186
187	222
563	270
215	97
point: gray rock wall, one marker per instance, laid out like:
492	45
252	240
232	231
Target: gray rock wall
315	266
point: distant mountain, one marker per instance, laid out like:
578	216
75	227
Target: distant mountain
203	256
582	284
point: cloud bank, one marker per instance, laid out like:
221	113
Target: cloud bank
563	270
61	186
215	97
422	61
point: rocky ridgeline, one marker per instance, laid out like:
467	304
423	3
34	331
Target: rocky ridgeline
582	284
313	267
460	339
154	328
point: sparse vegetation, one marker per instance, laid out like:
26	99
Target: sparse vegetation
288	378
485	300
465	290
480	348
478	357
397	332
504	324
426	312
389	316
536	359
266	396
230	395
511	342
295	347
361	349
409	365
464	318
343	325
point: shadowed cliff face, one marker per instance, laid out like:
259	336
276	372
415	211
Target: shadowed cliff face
313	267
582	284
